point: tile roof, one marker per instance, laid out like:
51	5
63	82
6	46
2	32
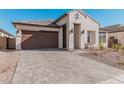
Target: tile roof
104	30
37	22
40	22
116	28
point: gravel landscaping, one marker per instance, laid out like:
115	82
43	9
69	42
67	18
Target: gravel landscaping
108	56
8	61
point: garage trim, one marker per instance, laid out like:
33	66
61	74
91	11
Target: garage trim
22	28
37	28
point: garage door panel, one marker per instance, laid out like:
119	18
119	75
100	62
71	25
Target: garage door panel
39	40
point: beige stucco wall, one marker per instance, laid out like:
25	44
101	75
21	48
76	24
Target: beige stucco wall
106	44
61	22
37	28
18	40
87	24
60	37
119	36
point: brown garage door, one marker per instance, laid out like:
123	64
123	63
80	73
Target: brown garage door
39	40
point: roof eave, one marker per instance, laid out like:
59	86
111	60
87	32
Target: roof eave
18	23
116	31
61	17
3	31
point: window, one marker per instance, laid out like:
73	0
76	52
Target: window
102	37
91	37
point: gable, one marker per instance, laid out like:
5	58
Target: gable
84	15
65	18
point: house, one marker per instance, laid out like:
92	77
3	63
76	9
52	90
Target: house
6	40
116	32
4	33
73	30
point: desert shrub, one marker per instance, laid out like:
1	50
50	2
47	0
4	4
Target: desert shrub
122	47
101	45
113	46
116	46
119	46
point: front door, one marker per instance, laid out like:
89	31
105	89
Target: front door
76	36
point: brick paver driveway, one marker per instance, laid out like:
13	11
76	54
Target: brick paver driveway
50	66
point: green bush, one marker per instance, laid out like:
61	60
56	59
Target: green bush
122	47
113	46
101	45
116	46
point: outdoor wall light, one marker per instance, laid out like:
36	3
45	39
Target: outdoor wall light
82	31
72	31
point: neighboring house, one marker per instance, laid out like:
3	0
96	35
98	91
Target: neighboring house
4	33
6	40
116	32
73	30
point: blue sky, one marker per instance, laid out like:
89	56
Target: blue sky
104	17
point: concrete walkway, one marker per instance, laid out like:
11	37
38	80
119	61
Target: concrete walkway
50	67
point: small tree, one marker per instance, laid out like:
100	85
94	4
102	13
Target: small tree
101	45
